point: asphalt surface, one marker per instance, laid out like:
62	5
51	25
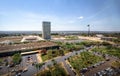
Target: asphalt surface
101	67
32	69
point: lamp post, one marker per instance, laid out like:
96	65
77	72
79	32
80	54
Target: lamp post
88	30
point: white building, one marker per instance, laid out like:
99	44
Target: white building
31	38
46	30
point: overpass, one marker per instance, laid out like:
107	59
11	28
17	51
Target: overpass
25	51
30	52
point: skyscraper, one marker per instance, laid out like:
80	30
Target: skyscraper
46	30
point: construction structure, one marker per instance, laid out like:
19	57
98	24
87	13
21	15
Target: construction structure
46	30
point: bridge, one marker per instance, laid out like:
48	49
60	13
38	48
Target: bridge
30	52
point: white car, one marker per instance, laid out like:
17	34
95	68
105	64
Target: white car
25	69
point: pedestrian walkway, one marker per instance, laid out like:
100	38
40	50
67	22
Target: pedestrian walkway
39	59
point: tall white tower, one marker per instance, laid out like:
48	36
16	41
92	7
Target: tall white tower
46	30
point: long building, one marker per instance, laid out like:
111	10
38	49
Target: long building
46	30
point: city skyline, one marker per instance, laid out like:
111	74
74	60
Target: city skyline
65	15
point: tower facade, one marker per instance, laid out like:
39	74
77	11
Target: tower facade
46	30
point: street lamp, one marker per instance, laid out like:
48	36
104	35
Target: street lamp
88	30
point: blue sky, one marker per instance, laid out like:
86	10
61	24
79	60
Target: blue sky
65	15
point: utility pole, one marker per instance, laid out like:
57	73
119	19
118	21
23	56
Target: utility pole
88	30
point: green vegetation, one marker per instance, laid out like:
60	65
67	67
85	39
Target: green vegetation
116	64
16	58
84	60
38	66
71	37
56	70
51	54
117	41
1	60
111	50
65	48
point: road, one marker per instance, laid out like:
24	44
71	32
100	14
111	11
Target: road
32	69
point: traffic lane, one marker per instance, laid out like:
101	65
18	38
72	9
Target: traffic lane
4	70
62	59
71	73
49	62
25	60
31	71
27	64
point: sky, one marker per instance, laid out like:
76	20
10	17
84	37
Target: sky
64	15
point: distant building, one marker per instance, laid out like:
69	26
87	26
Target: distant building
46	30
108	38
7	42
31	38
99	35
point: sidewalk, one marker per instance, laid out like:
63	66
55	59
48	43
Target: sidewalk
39	59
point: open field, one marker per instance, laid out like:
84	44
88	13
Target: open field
15	39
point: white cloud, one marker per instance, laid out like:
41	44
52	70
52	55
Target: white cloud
71	21
81	17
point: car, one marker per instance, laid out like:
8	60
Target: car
95	74
18	74
107	69
28	58
99	74
13	70
74	72
107	59
103	62
1	67
103	72
84	70
12	65
25	69
95	65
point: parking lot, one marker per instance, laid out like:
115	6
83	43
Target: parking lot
25	68
99	69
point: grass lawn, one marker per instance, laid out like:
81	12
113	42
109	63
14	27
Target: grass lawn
84	60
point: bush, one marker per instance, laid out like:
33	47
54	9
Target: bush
16	58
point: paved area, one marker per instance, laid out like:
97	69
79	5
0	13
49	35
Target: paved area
100	67
39	59
35	58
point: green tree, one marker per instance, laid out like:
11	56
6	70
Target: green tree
16	58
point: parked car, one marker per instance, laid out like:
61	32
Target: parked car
25	69
13	70
1	67
107	59
18	74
